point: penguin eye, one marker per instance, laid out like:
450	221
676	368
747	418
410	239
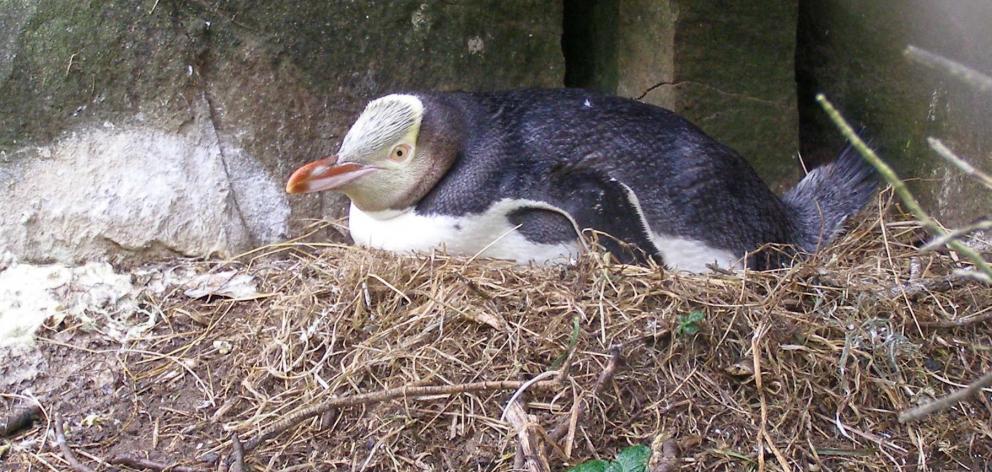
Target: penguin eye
400	152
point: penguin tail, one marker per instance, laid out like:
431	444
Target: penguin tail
828	195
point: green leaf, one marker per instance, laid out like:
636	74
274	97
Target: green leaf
634	459
689	324
614	467
573	340
591	466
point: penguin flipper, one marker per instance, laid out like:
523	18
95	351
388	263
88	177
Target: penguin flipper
595	201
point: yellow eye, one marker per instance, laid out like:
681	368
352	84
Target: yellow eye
400	153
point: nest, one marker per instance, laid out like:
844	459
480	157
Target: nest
805	368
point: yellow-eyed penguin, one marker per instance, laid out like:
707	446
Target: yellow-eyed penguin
518	174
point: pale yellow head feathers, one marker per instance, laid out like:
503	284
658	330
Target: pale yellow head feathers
386	121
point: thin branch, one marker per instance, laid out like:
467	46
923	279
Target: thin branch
915	288
973	275
138	463
604	378
944	403
961	164
958	323
899	186
523	388
939	242
972	77
529	447
385	395
67	453
238	454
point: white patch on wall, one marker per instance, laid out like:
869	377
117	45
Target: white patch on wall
476	45
420	19
261	200
125	190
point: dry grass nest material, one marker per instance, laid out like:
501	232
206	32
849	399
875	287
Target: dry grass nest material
838	345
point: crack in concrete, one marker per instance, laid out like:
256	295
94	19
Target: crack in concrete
212	114
718	90
651	88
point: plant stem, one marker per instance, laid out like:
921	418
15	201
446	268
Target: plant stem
899	186
980	81
961	164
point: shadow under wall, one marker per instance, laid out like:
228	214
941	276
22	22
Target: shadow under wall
589	42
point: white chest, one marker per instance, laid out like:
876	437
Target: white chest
488	234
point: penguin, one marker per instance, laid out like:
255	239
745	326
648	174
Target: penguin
525	174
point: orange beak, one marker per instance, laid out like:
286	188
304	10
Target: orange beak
325	174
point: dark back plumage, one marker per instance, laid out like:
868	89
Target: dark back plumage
689	185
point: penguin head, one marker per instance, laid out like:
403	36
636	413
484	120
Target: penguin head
377	166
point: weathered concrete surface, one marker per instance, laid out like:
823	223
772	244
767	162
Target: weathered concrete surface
851	51
726	66
113	189
135	128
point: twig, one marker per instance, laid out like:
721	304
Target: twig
605	377
975	318
68	68
19	419
937	243
238	454
946	402
973	275
915	288
529	449
138	463
520	391
971	76
381	396
899	186
67	453
961	164
665	455
763	435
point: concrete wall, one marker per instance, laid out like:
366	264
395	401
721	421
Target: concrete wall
851	51
147	128
726	66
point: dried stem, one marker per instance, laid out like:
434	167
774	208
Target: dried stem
408	392
763	435
915	288
138	463
67	453
964	166
529	450
946	402
900	187
958	323
941	241
980	81
238	454
604	378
